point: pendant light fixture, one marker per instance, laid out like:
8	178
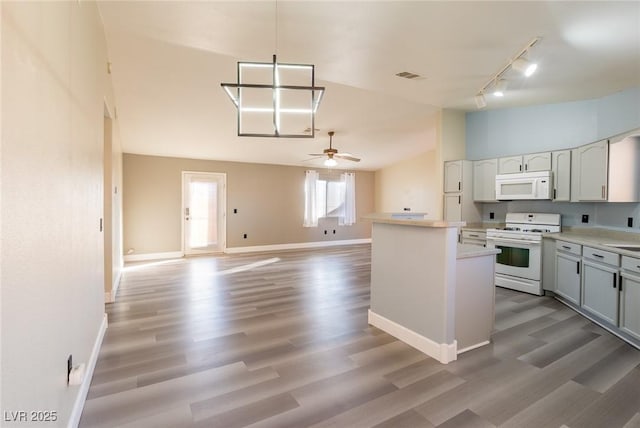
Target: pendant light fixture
497	82
284	107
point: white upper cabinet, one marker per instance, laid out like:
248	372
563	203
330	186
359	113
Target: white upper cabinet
509	165
484	180
589	172
537	162
453	176
458	195
525	163
561	167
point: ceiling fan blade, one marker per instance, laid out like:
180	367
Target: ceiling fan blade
346	157
313	158
316	154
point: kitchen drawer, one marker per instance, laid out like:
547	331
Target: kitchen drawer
631	264
569	247
473	234
601	256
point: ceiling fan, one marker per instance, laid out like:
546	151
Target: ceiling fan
332	154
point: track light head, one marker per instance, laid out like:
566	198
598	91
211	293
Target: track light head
499	88
480	101
524	66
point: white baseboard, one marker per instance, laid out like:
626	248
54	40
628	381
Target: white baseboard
110	297
296	246
153	256
472	347
443	352
76	412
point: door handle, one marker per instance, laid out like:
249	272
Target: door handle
619	282
459	185
615	280
578	268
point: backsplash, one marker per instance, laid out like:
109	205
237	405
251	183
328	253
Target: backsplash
609	215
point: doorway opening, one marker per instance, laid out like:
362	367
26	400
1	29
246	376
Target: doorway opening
203	212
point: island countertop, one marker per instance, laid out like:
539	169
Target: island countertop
390	219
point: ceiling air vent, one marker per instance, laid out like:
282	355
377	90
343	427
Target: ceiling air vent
410	76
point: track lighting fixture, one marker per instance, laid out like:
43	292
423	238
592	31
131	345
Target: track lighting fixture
524	66
499	87
480	101
498	84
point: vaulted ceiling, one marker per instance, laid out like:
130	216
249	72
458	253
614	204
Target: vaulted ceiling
169	58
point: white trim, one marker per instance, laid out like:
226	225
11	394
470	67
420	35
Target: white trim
153	256
110	297
472	347
76	411
296	246
443	352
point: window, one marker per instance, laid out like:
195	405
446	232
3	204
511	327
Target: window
329	198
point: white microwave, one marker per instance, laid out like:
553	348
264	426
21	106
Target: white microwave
525	185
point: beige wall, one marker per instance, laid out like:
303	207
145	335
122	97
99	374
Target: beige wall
54	85
416	183
269	200
409	184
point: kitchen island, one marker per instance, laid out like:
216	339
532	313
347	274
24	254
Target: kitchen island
426	289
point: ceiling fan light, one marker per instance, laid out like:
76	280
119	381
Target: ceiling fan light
499	88
524	66
330	162
481	102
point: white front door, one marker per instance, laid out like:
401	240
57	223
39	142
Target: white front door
203	212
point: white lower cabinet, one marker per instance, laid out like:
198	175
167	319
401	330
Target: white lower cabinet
630	297
600	282
568	276
474	237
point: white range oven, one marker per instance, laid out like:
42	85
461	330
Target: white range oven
519	265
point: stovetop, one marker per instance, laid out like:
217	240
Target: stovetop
527	226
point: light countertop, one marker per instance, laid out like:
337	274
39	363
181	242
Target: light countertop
389	219
599	238
466	251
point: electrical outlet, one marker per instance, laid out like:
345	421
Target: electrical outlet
492	216
585	218
629	221
69	366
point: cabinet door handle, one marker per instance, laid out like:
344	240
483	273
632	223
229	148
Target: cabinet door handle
458	199
526	166
566	247
520	167
578	268
603	187
555	193
459	185
597	255
615	280
473	236
619	282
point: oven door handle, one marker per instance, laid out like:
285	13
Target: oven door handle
510	240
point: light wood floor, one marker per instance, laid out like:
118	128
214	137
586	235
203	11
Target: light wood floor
281	340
